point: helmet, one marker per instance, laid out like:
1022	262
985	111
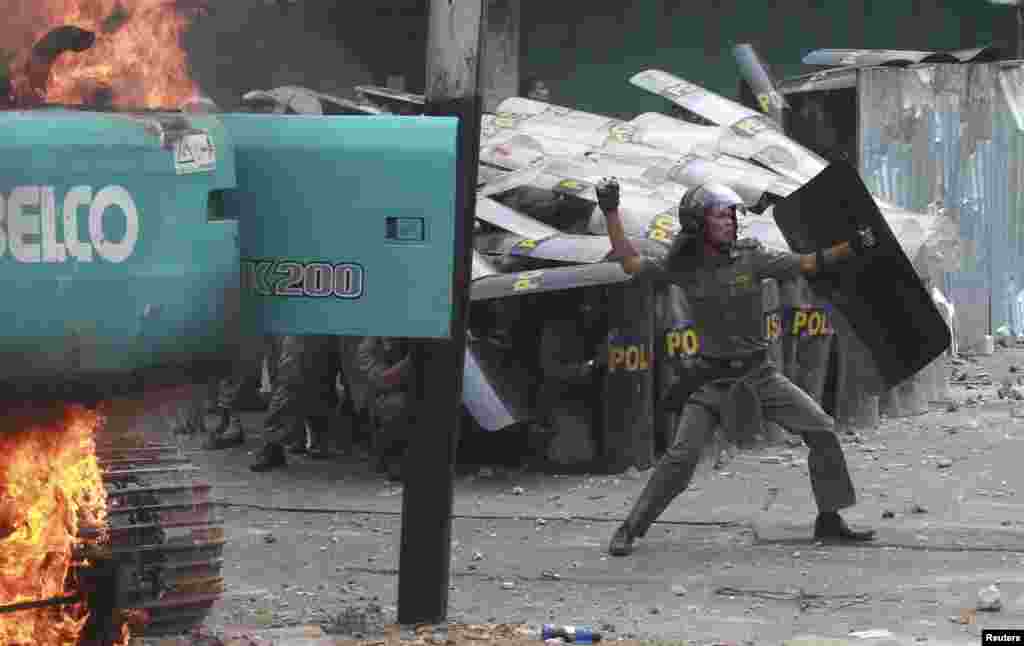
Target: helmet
699	198
693	206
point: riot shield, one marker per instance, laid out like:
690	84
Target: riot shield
880	294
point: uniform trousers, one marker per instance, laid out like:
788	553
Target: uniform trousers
781	402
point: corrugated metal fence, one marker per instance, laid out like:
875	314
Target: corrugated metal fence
947	139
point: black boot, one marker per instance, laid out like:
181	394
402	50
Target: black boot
271	457
668	481
622	542
830	526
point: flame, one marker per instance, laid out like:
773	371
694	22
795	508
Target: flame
137	57
50	482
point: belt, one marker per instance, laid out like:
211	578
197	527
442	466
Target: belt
731	366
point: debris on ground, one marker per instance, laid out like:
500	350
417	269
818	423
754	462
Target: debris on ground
989	599
918	509
875	633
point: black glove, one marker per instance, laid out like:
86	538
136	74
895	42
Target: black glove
608	194
865	239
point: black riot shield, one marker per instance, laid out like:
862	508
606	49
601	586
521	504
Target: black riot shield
879	294
627	434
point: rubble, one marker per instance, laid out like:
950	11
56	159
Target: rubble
989	599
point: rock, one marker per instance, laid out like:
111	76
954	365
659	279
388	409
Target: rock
888	514
269	538
989	599
655	611
944	463
953	407
518	491
918	509
876	633
679	590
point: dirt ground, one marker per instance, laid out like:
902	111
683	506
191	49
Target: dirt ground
313	549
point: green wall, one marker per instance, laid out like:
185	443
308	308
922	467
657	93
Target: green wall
586	52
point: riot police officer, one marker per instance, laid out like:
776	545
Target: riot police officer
385	366
721	278
304	393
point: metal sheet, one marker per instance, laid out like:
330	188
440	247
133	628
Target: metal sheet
875	57
867	57
388	94
834	79
945	139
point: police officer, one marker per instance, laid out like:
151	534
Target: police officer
231	391
721	278
304	393
385	366
568	365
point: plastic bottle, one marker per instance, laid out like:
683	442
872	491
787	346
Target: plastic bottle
568	634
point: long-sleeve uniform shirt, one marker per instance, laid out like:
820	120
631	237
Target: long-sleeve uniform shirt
724	294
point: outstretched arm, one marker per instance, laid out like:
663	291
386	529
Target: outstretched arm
813	263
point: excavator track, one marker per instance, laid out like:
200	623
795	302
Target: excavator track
164	532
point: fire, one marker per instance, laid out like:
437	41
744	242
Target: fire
50	482
137	60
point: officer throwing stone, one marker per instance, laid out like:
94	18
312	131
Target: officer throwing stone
722	281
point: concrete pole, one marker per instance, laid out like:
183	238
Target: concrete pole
500	55
452	89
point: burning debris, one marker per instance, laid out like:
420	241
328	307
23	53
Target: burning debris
50	485
125	54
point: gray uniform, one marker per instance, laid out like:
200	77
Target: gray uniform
389	406
248	366
743	387
305	383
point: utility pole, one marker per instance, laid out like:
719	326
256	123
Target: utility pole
452	89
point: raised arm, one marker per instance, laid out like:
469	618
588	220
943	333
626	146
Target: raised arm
622	248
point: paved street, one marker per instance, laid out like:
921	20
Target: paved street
728	561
